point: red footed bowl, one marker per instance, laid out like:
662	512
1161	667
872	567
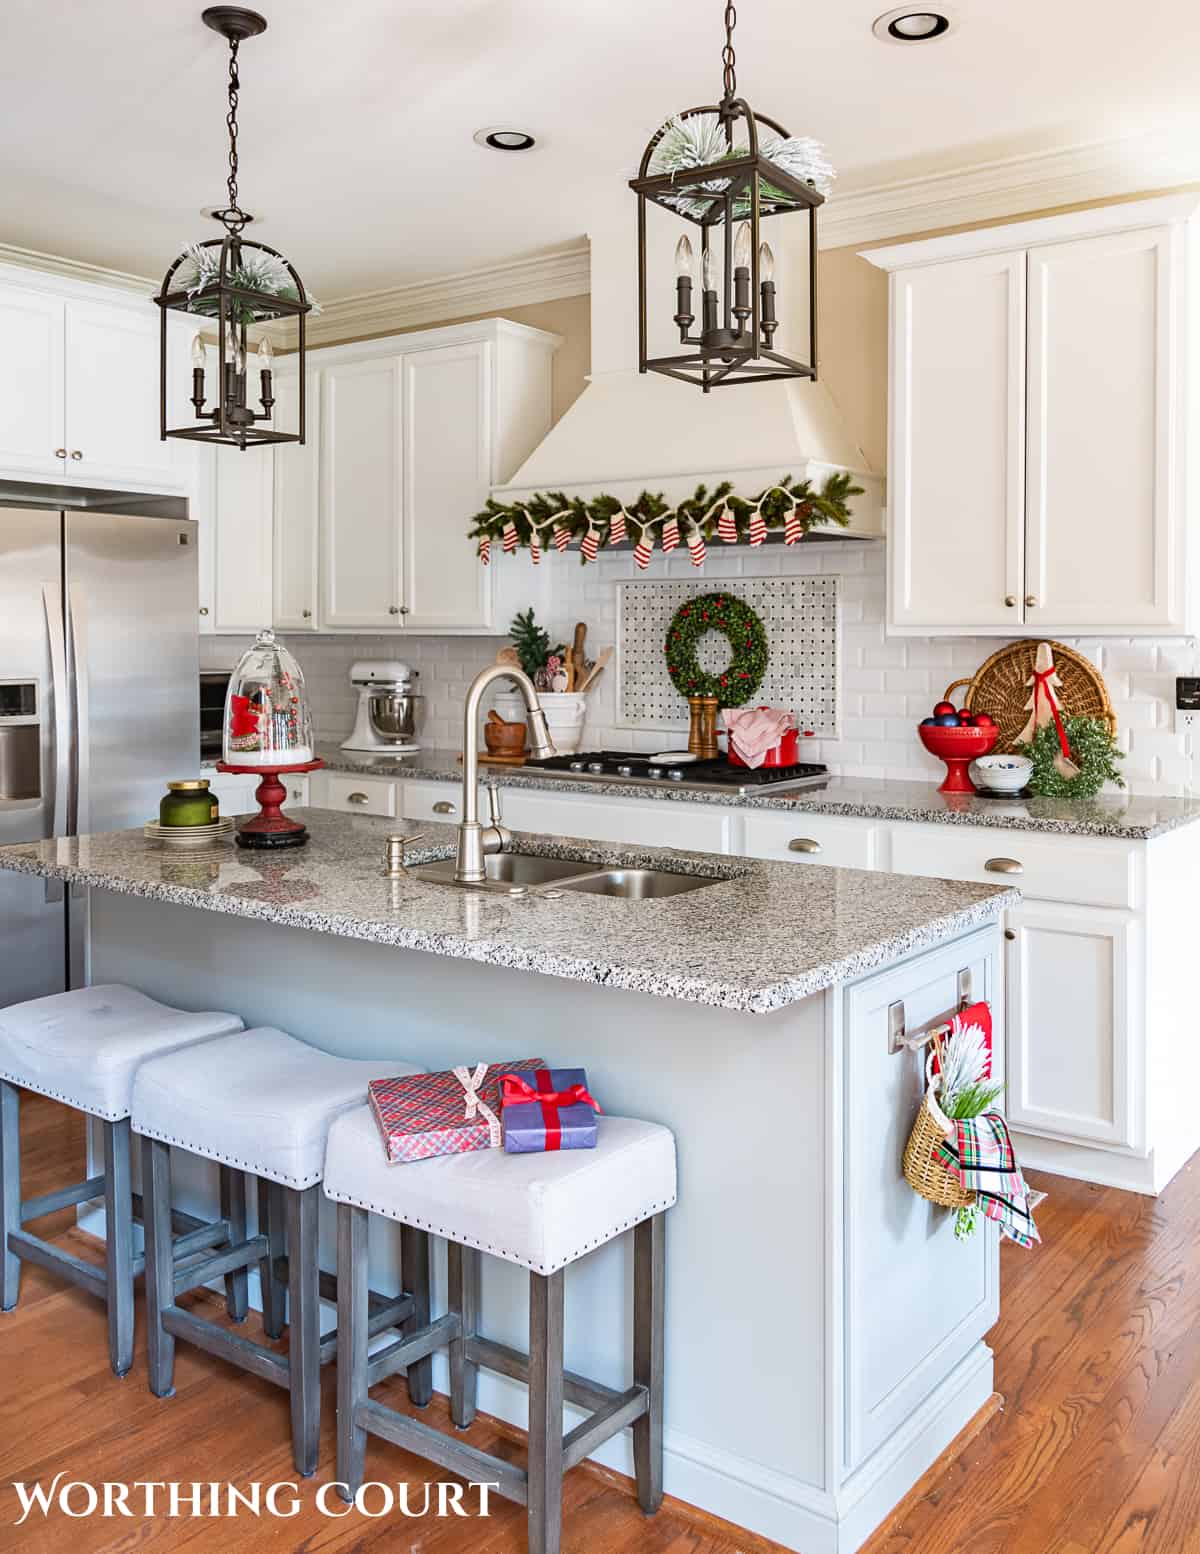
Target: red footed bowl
958	747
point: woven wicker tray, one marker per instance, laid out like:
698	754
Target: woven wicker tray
998	687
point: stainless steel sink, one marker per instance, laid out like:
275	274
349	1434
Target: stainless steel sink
504	871
636	884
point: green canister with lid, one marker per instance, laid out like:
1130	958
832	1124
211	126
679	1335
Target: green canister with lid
189	804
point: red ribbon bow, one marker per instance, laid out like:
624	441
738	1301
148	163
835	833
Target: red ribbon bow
515	1091
1041	687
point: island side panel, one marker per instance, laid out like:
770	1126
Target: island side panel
746	1096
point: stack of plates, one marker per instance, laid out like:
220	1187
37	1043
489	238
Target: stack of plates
189	837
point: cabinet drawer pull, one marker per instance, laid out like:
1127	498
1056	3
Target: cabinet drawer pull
444	807
804	844
306	615
60	453
77	453
204	609
357	798
1011	601
1004	866
1031	601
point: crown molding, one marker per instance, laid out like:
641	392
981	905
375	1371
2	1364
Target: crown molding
544	278
1009	186
76	270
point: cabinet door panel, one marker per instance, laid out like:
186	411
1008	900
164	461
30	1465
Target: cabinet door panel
1071	976
1102	484
112	373
447	458
957	457
32	334
241	539
296	509
361	498
917	1299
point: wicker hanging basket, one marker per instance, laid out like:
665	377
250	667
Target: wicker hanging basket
998	687
923	1171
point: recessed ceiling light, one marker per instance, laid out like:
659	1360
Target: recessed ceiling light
906	25
501	138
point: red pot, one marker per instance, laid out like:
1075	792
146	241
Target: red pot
785	753
958	747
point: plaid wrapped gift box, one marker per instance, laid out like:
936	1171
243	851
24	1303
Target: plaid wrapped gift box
447	1113
546	1110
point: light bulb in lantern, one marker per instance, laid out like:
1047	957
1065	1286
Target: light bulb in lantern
766	262
197	352
235	356
265	356
683	258
708	269
741	247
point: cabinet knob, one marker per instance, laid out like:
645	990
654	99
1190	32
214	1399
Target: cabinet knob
76	453
1004	866
357	798
444	807
306	615
1009	934
804	844
393	609
404	609
204	609
1031	600
1011	601
60	453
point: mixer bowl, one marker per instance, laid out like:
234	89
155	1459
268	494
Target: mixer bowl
396	714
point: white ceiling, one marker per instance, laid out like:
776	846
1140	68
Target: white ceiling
357	117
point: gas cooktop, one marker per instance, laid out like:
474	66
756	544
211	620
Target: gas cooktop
626	766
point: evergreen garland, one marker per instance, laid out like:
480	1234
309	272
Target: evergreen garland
1093	750
544	512
747	639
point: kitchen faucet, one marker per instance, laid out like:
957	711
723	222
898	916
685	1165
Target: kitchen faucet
476	841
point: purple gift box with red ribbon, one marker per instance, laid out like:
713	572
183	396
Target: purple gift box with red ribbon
547	1109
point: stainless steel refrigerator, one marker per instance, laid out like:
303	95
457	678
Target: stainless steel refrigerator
98	700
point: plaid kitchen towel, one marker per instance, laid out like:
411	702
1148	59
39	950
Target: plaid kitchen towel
982	1156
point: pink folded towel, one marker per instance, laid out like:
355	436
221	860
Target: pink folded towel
756	730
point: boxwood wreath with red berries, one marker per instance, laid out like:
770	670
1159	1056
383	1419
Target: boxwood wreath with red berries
747	639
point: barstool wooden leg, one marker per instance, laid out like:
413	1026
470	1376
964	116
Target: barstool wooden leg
353	1284
118	1245
649	1267
545	1411
10	1191
233	1209
271	1224
160	1264
414	1273
304	1316
463	1300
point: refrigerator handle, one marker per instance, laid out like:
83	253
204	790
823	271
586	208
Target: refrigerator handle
62	723
77	611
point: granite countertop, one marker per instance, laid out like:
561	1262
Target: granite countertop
1129	817
765	936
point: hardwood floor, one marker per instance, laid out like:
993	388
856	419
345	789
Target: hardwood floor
1096	1450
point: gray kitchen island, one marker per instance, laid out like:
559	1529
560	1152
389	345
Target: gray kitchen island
824	1328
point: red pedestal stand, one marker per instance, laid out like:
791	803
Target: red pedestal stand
271	827
958	747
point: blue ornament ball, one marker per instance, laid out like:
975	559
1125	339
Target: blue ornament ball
948	720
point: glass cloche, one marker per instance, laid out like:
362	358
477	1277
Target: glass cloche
267	721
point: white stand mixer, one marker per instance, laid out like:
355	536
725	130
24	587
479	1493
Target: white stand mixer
389	707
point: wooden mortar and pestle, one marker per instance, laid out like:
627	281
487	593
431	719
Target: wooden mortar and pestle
503	739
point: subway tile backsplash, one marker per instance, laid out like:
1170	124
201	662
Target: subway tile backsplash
886	683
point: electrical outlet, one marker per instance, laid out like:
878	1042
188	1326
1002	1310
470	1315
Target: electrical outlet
1187	704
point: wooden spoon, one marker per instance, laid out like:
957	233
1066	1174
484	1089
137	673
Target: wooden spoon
597	669
582	662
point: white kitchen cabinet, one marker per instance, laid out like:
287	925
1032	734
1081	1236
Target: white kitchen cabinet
447	474
232	506
354	793
79	398
1039	380
1073	973
361	500
32	396
439	800
233	792
296	506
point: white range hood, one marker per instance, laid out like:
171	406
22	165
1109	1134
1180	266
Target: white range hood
630	431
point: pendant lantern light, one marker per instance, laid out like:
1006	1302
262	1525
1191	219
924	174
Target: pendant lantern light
726	169
235	284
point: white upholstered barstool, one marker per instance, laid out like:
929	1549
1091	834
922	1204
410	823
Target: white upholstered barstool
260	1105
542	1211
83	1048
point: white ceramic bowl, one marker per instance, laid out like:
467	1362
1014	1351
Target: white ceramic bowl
1001	773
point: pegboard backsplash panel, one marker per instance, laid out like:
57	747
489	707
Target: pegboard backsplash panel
800	615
